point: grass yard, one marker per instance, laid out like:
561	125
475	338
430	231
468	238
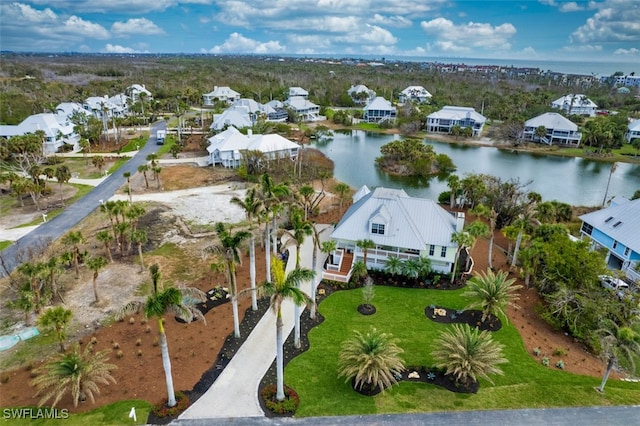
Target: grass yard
525	384
113	414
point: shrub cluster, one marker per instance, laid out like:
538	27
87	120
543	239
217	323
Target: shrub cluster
288	405
161	410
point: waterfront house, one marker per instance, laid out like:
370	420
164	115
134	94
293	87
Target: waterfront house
444	120
633	131
361	94
222	94
58	130
304	108
558	130
379	110
399	225
417	94
298	91
617	230
575	105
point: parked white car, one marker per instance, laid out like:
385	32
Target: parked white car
614	284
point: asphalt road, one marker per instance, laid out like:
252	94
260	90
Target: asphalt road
17	253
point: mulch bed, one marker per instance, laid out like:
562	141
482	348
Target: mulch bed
437	377
472	317
366	309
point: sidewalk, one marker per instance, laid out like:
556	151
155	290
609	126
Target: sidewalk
235	392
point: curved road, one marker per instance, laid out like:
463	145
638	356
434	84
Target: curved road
49	231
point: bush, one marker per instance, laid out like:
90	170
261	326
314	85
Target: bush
560	364
288	405
559	352
545	361
161	410
536	351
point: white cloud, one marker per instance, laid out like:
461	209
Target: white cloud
237	43
26	13
583	48
615	20
116	48
627	52
77	25
391	21
529	51
136	26
450	37
119	6
571	6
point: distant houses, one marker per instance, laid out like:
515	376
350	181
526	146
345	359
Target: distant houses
573	104
447	118
417	94
633	131
361	94
379	110
557	130
221	94
399	226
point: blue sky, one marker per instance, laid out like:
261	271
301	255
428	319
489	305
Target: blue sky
598	30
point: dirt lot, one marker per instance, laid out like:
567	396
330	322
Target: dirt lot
194	347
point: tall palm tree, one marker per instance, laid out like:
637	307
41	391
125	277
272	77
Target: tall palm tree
342	189
105	237
95	264
283	287
453	181
618	342
144	168
63	174
371	359
365	245
301	229
139	237
57	319
493	292
74	239
77	372
159	303
270	194
491	215
467	354
231	247
252	205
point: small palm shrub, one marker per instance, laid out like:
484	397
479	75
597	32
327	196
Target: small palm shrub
368	291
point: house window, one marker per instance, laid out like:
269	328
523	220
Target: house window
615	244
432	250
626	251
443	252
377	228
587	229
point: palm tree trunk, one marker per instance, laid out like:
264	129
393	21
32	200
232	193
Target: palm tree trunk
274	235
236	323
166	364
455	265
75	262
490	261
279	358
95	287
267	250
296	308
252	272
516	248
141	258
314	283
606	373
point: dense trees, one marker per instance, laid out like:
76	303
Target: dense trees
412	157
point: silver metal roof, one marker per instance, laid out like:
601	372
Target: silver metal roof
621	222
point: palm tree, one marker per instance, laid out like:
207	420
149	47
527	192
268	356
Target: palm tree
281	287
63	174
462	239
301	229
106	238
493	292
467	354
618	342
144	168
252	206
74	239
57	319
342	189
614	166
410	268
365	245
270	194
453	181
95	264
231	247
371	359
393	265
127	176
159	303
139	237
491	215
77	372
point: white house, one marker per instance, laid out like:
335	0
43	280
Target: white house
379	110
68	109
222	94
273	146
278	111
575	104
298	91
443	121
304	108
121	101
135	90
361	94
237	117
559	129
400	226
58	130
102	107
416	94
633	131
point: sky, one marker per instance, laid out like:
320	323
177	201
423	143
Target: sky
597	30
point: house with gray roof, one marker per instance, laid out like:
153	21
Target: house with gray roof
361	94
573	104
399	225
558	130
222	94
449	116
633	131
379	110
417	94
304	108
617	230
135	91
227	148
298	91
58	130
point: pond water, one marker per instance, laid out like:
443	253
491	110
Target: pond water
575	181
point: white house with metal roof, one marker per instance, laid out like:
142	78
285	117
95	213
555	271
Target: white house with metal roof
633	131
298	91
361	94
616	229
222	94
573	104
101	107
304	108
444	120
379	110
136	90
237	117
399	225
416	94
58	130
558	129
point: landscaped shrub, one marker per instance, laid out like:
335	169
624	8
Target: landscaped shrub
161	410
560	364
536	351
559	352
545	361
288	405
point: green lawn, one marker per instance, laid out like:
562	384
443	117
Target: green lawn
112	414
525	384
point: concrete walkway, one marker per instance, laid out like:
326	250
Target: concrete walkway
235	392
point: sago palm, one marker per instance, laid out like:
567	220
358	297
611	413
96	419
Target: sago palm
371	358
493	293
467	354
78	372
283	287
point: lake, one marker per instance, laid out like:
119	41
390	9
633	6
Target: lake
576	181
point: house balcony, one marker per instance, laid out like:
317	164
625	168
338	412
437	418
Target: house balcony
338	266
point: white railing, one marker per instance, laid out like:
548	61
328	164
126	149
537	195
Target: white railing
336	277
632	274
